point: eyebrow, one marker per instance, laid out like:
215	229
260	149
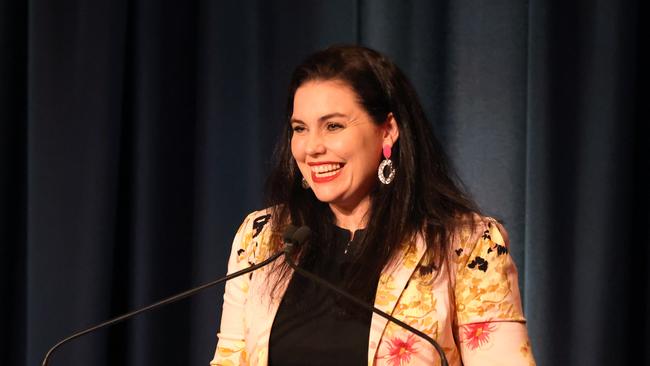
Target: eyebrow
321	119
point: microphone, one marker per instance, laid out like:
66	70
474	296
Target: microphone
299	236
288	235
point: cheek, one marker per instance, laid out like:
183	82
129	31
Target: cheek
371	160
299	155
296	149
369	152
342	147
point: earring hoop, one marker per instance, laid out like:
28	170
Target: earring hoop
386	166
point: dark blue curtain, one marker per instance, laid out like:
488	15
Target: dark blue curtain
135	136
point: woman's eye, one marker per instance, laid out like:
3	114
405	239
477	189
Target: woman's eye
333	126
297	128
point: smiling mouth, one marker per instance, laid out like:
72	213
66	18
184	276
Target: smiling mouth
325	172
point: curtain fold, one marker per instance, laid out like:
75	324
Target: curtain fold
135	136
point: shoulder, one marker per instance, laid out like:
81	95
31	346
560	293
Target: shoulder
477	230
254	236
484	275
480	246
257	221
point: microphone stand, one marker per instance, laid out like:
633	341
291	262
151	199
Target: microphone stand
161	303
303	272
292	236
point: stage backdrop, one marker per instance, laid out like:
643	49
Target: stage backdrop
136	135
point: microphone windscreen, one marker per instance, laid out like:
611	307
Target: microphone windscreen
287	237
301	235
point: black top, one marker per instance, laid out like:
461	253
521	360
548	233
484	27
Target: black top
322	328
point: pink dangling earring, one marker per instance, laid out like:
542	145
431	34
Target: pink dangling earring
386	166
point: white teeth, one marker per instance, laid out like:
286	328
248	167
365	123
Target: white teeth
328	174
325	170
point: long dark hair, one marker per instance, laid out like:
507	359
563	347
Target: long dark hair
425	197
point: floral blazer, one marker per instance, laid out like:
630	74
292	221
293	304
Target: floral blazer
472	308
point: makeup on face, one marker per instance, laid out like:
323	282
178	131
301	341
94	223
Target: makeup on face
335	143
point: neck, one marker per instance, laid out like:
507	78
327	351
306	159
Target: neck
351	218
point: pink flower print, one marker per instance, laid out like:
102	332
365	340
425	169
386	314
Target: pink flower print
400	351
477	334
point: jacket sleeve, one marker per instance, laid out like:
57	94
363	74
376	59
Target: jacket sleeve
231	348
491	326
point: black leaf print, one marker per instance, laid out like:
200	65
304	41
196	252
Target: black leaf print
459	251
479	263
258	224
486	235
500	249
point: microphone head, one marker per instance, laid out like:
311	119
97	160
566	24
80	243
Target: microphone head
301	235
289	231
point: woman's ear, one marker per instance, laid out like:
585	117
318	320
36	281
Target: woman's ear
391	130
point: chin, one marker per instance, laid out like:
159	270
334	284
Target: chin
326	197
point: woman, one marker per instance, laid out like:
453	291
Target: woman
359	164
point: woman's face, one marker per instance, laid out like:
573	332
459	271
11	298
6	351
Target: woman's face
336	144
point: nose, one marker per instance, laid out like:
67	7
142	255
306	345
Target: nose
315	144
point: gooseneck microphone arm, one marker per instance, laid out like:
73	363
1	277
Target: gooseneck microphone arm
166	301
292	236
300	236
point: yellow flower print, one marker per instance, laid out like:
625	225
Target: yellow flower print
384	298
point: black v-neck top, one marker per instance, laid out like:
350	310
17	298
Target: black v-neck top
322	328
